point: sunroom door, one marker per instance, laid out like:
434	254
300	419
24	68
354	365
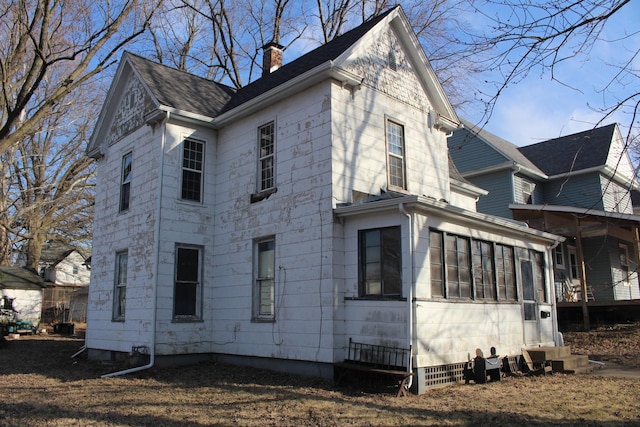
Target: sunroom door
529	304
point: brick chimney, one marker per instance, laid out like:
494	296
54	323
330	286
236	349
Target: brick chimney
272	58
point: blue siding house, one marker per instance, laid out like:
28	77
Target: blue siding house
577	186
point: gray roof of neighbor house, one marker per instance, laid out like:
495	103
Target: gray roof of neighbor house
181	90
54	251
504	147
15	277
574	152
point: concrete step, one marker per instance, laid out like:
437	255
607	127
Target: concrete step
570	364
542	354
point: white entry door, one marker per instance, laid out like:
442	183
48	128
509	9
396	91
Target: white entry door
529	304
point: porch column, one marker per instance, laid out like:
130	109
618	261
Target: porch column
583	276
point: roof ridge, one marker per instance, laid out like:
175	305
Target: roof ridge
177	70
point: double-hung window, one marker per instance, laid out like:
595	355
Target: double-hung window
380	262
506	273
192	165
264	287
395	155
120	286
266	157
188	283
483	271
125	182
458	266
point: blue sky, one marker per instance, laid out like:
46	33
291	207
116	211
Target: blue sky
538	108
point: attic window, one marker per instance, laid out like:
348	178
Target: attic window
391	60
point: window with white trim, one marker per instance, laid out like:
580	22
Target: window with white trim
395	155
120	286
125	182
264	284
380	262
266	157
192	168
187	295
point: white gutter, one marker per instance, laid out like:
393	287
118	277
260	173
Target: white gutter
410	291
156	245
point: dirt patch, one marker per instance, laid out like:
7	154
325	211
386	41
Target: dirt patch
41	385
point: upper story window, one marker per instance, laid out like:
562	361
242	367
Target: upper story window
188	285
380	262
125	182
395	155
266	157
192	164
120	286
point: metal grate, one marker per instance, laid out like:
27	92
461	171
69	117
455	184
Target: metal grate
444	374
378	356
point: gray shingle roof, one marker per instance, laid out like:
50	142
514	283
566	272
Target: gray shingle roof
184	91
14	277
503	146
181	90
574	152
327	52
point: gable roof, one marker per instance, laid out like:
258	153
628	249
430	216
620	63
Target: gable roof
181	90
574	152
505	148
215	104
327	52
14	277
54	251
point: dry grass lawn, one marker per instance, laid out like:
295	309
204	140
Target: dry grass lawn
40	385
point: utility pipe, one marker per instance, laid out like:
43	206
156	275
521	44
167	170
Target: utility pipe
410	290
156	244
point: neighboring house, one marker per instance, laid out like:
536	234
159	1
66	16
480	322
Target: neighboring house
66	275
268	226
20	295
578	186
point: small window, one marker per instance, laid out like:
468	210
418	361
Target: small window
527	192
266	157
558	257
187	290
380	262
192	163
436	257
395	155
125	182
120	289
391	57
264	288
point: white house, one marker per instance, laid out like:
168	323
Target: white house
269	225
66	274
20	295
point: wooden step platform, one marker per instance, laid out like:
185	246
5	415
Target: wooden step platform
560	359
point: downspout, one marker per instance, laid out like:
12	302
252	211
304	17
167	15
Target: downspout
410	292
156	245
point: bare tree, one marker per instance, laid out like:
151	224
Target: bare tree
39	39
527	37
51	55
